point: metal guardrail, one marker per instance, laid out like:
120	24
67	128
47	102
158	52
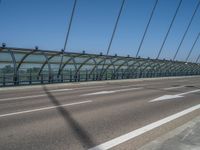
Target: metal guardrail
32	66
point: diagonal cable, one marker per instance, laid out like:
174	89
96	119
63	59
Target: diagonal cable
70	24
192	18
67	35
197	59
192	47
166	36
113	34
146	29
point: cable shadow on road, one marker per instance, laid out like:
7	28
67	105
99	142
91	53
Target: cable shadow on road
79	132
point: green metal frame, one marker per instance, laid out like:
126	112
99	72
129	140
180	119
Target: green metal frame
126	67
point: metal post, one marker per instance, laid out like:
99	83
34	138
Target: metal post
86	75
70	75
4	79
62	77
30	77
79	76
42	81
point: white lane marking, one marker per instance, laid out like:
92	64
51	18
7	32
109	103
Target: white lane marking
194	91
133	85
140	131
113	91
177	87
60	90
41	95
23	97
33	96
98	93
167	97
44	108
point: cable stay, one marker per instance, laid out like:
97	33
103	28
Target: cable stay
70	24
197	59
146	29
166	36
186	31
192	47
68	33
113	34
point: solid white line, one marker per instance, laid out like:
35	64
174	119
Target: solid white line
44	108
140	131
109	92
171	88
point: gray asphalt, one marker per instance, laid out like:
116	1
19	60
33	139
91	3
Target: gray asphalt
101	118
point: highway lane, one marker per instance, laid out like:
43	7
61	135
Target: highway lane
86	125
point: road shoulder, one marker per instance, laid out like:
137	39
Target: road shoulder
185	137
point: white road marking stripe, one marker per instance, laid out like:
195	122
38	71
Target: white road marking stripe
33	96
181	94
167	97
23	97
44	108
135	85
41	95
113	91
171	88
140	131
98	93
60	90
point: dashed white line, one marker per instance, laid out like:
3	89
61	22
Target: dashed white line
60	90
44	108
171	88
33	96
109	92
123	138
22	97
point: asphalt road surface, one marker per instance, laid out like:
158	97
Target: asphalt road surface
121	115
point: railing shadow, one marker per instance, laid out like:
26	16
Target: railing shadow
81	134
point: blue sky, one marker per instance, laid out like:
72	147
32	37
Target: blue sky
26	23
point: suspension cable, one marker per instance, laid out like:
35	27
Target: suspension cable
192	18
115	27
192	47
146	29
113	33
161	48
70	24
67	36
197	58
